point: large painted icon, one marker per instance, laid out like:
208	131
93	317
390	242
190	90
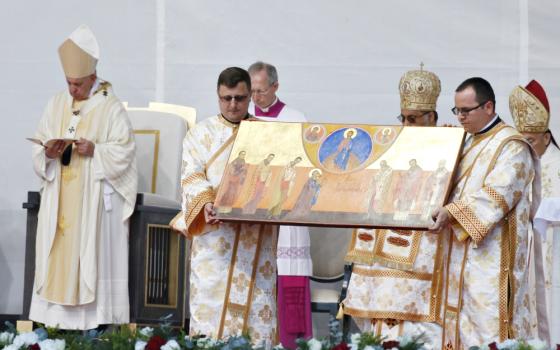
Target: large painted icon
371	176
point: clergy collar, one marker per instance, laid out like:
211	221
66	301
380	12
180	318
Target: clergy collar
490	125
271	111
269	106
231	124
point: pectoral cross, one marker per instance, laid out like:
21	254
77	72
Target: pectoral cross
71	129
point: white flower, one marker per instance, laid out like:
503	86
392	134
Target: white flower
140	345
314	344
511	344
6	337
147	331
355	338
26	339
11	347
171	345
404	340
537	344
52	344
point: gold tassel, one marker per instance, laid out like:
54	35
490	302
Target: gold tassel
340	313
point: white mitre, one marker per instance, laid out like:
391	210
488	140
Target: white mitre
79	53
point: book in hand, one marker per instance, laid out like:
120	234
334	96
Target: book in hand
51	142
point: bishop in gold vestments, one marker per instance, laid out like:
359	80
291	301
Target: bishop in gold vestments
397	276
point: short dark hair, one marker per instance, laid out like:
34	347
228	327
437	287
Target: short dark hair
232	76
482	89
435	116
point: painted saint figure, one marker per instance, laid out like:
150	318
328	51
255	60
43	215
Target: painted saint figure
407	191
283	188
314	134
344	150
308	196
235	177
259	181
381	182
434	189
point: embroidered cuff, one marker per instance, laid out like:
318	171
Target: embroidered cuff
194	216
468	220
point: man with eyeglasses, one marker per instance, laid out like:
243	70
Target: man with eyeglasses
233	267
398	290
266	104
531	115
487	217
293	251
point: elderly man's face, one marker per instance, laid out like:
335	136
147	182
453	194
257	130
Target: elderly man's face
539	140
234	102
79	88
263	92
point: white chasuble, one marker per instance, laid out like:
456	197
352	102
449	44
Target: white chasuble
396	283
233	266
486	295
81	274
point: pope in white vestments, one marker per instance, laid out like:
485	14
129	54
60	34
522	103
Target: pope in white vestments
486	297
397	290
530	111
88	191
233	266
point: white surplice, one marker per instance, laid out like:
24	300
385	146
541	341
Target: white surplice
547	222
293	255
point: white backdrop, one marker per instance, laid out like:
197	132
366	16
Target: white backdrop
338	61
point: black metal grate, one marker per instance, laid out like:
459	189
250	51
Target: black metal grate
158	265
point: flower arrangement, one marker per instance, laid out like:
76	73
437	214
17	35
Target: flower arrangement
514	344
165	338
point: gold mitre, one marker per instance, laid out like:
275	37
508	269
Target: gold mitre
529	108
419	90
79	53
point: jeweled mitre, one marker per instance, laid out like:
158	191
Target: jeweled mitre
419	90
529	108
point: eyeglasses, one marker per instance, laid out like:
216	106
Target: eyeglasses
411	118
465	111
236	98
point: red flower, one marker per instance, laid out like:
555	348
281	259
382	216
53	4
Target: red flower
390	344
34	347
155	343
341	346
493	346
557	346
